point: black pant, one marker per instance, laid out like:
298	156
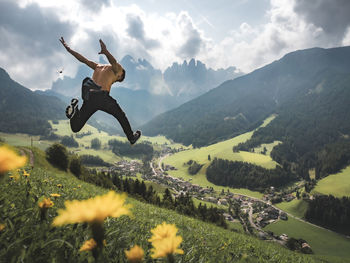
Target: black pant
100	100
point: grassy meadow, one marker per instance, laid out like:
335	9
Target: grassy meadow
337	185
334	247
19	139
267	146
26	237
295	207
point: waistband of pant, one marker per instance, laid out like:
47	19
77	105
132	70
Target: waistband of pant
99	91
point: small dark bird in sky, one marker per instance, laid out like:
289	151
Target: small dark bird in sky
60	71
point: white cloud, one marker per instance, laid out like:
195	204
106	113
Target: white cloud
346	39
162	38
251	47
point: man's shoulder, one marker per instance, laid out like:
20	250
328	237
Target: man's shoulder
104	65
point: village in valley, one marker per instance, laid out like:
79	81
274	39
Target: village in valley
254	214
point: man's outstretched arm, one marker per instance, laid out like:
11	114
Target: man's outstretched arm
79	57
116	67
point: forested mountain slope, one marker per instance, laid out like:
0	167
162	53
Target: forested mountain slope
22	110
288	87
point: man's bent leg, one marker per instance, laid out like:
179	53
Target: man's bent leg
79	119
112	107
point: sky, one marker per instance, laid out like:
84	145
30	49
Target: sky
246	34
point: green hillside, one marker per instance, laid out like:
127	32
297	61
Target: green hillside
335	184
22	110
296	207
221	150
299	78
27	238
334	247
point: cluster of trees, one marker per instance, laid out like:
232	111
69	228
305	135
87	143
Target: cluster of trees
13	122
125	149
75	166
51	136
297	245
95	177
93	160
330	212
245	175
333	158
182	204
194	167
69	141
96	144
82	134
58	156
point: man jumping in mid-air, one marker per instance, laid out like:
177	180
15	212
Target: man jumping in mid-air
95	93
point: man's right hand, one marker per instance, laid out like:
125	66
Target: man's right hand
64	43
103	48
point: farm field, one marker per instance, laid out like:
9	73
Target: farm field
19	139
63	128
337	185
267	146
221	150
25	235
295	207
322	242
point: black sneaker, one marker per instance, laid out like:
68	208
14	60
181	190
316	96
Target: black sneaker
137	136
72	108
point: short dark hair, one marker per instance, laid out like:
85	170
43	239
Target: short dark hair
122	76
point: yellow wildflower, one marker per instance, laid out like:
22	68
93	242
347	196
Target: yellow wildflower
135	254
9	160
46	203
59	185
89	245
25	174
93	210
74	188
79	186
166	247
55	195
2	227
15	176
164	241
163	231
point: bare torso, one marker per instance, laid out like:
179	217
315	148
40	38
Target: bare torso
104	76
